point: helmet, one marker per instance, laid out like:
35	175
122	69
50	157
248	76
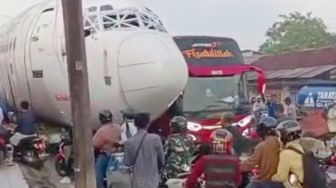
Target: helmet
287	100
227	118
105	116
266	126
178	124
222	141
289	130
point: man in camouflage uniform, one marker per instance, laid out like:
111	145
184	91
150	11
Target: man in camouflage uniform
178	149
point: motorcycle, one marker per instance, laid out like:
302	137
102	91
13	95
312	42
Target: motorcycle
179	181
327	163
64	162
5	147
31	151
2	150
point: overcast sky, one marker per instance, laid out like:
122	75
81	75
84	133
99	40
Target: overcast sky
244	20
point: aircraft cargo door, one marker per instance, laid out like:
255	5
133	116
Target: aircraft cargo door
42	55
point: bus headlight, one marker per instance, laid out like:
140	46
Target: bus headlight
194	126
245	133
193	137
243	122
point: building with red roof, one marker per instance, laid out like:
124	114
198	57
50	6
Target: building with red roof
286	73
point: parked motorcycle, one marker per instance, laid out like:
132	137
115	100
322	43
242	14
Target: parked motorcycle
64	162
2	149
31	151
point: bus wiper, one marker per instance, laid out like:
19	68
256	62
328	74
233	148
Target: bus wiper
210	106
221	104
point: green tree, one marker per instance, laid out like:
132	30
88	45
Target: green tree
295	32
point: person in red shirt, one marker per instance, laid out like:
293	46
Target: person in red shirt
221	168
106	140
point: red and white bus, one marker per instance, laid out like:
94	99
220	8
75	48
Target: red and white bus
216	84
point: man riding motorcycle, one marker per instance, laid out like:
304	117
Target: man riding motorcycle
290	161
26	124
221	168
265	156
178	149
25	127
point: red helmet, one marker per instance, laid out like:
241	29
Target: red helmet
222	141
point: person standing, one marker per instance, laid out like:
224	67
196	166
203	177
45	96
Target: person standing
272	105
291	108
128	129
178	149
106	140
226	121
259	109
331	117
144	153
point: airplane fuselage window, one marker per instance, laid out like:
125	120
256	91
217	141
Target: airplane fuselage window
106	7
47	10
92	9
107	19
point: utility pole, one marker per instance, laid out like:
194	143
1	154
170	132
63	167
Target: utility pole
79	94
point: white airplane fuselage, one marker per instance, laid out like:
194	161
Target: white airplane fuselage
133	63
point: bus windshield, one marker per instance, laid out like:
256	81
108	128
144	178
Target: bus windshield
210	93
204	96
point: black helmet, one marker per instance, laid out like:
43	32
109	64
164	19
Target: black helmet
288	100
105	116
266	126
178	124
289	130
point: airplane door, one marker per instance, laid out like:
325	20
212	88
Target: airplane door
42	56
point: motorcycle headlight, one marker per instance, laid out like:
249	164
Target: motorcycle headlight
245	133
193	137
185	168
194	126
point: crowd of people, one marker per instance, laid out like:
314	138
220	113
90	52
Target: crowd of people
127	156
269	106
151	162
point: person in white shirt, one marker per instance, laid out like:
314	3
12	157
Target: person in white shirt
292	110
128	130
1	115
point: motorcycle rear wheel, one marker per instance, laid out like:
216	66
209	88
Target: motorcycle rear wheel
35	163
60	167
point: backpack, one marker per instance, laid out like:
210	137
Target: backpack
314	175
